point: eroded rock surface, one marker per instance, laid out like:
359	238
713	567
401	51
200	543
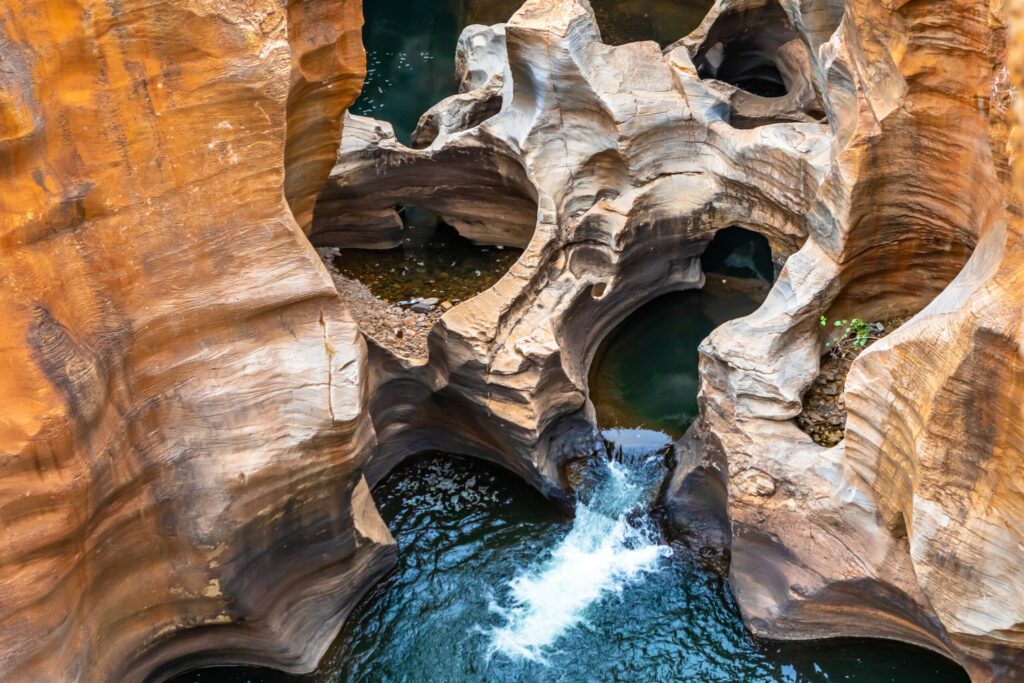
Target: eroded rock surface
184	432
866	142
613	165
182	394
901	530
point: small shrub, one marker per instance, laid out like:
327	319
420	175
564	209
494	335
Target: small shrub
852	336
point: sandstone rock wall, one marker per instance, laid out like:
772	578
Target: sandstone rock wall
624	162
185	404
182	394
900	531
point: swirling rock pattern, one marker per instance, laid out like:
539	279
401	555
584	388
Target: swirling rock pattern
901	530
182	423
876	172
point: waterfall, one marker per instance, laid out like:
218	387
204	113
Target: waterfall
613	543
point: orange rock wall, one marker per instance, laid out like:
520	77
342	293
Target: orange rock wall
181	392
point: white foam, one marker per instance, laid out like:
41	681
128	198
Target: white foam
609	547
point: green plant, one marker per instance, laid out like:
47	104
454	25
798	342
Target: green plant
854	334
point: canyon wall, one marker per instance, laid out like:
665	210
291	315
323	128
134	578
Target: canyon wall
909	528
186	405
182	394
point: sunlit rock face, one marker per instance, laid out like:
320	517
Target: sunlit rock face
182	398
867	143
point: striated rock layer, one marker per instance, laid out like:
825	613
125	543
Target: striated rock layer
614	166
182	394
866	141
910	528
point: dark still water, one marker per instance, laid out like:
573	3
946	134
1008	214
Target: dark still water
433	261
410	54
645	373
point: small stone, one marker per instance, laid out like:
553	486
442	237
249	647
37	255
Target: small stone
424	305
446	305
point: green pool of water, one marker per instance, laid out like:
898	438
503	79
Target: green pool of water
664	21
410	54
645	373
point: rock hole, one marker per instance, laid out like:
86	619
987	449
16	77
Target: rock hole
742	49
644	375
597	291
739	252
396	294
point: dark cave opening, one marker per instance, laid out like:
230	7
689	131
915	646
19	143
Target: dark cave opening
741	253
742	49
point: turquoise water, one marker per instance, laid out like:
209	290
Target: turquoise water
410	60
494	585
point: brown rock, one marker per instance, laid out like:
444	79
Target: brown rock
181	391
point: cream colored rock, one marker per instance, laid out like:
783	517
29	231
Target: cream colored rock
614	166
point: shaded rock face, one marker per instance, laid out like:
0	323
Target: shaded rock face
182	394
867	143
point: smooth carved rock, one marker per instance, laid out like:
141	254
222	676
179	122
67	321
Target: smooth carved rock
614	165
182	394
910	528
630	158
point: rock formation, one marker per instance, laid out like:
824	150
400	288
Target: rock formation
609	221
182	394
866	142
186	405
899	531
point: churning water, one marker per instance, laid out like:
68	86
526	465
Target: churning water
612	544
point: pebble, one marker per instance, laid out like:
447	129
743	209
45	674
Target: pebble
424	305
